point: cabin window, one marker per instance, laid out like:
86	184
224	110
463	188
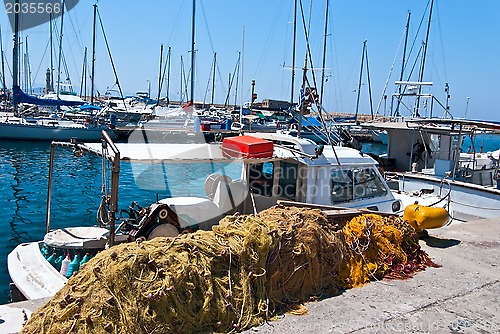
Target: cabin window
288	180
358	183
261	178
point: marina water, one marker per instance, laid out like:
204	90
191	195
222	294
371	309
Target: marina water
76	189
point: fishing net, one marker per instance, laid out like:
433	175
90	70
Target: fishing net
228	279
380	246
307	259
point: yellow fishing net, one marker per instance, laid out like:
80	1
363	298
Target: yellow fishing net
228	279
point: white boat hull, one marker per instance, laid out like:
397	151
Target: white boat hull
23	131
467	199
32	274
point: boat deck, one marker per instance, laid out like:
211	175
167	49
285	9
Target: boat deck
461	296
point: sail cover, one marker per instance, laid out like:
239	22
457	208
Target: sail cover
21	97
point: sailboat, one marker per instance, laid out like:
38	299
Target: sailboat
50	128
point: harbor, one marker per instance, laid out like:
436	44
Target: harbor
145	191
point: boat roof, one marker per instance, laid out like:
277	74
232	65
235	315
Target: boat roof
285	148
434	125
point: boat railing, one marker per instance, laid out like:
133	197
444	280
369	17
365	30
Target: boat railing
444	186
78	150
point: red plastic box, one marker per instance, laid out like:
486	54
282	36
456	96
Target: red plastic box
247	147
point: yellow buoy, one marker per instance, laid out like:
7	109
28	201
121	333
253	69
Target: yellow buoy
424	217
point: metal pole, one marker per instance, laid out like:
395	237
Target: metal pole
49	188
115	173
93	58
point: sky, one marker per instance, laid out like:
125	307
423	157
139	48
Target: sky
462	50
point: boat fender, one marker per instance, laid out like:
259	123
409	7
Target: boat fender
424	217
65	264
52	259
85	259
74	266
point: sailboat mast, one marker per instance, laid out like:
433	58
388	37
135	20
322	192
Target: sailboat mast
4	86
60	50
360	77
403	64
168	74
421	75
15	56
324	54
213	79
192	51
83	86
93	57
51	55
293	48
160	76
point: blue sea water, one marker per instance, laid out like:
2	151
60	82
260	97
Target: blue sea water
76	191
77	188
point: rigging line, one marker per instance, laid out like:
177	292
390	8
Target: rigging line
441	40
418	30
211	42
41	61
174	32
267	45
369	82
167	61
390	74
307	42
206	26
110	57
236	68
208	83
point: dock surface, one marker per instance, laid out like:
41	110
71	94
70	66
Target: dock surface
462	296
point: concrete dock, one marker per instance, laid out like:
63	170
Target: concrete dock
462	296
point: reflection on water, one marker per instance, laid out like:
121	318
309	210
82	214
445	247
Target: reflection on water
76	190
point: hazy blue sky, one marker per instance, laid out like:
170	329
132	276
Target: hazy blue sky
463	49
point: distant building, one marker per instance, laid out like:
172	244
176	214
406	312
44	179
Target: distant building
273	104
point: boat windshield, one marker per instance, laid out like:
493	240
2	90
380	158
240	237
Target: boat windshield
358	183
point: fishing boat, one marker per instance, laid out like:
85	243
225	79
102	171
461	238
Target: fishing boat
428	152
274	168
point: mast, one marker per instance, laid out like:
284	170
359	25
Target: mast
192	51
403	64
15	56
242	82
93	57
159	76
360	77
51	56
168	74
324	54
421	75
213	79
293	48
60	50
83	86
4	86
